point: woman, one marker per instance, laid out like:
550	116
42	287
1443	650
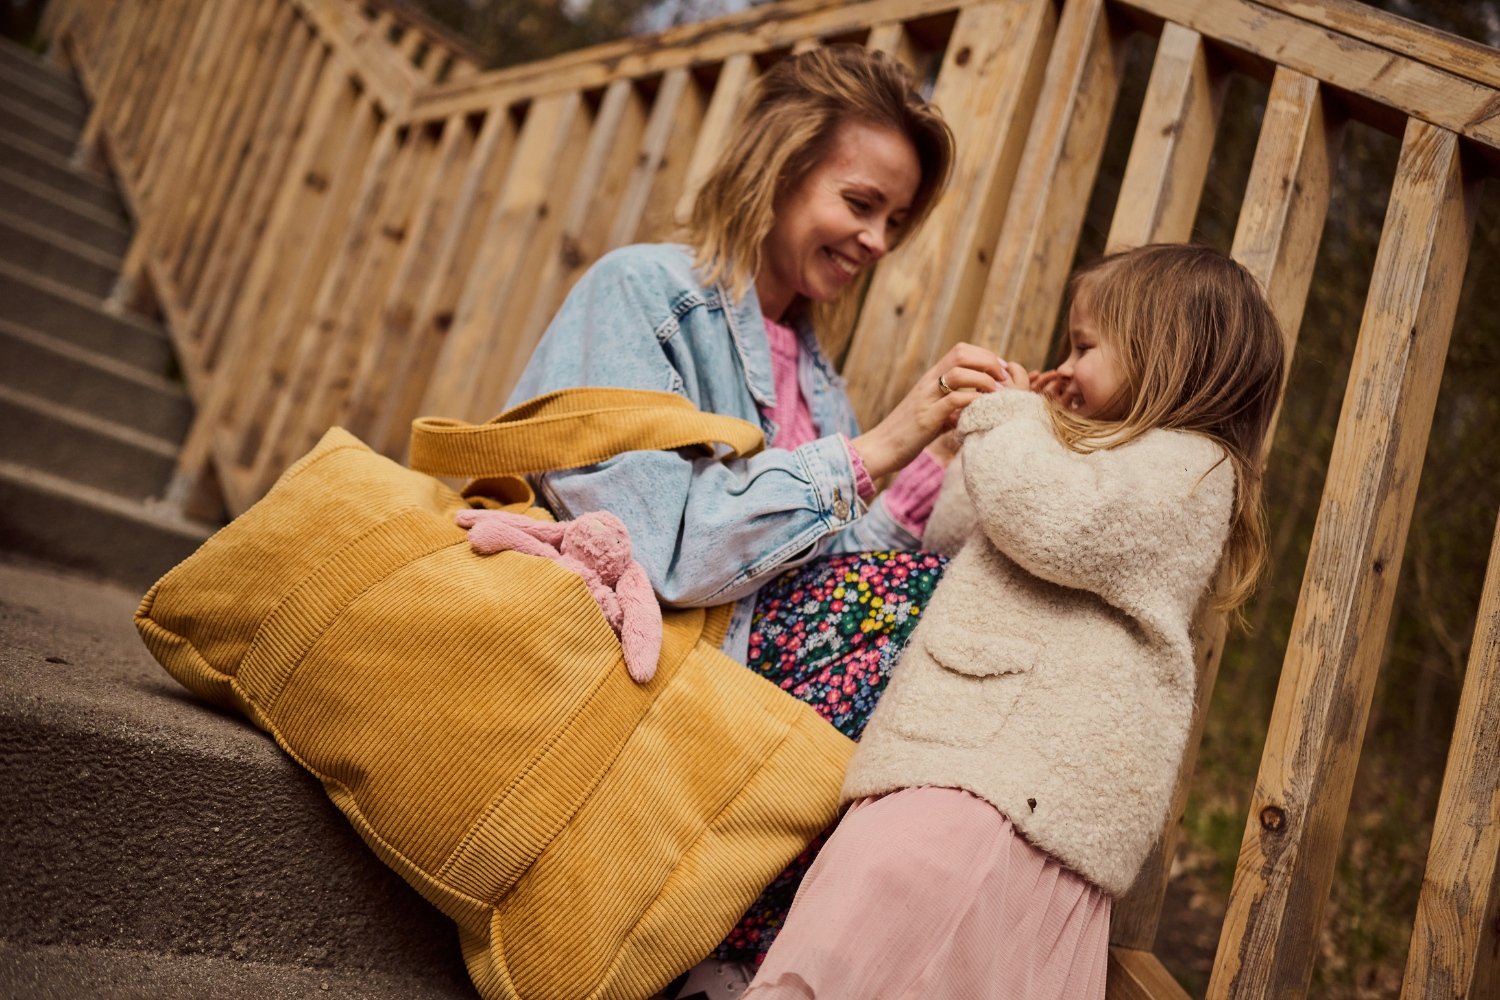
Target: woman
835	160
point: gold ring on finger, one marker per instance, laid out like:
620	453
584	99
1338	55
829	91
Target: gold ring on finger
943	384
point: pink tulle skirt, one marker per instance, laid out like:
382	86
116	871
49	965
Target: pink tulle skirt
931	892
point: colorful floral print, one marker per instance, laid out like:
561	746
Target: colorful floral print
830	633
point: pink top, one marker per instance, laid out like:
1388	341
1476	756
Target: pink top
911	494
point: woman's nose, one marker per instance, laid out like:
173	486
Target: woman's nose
875	240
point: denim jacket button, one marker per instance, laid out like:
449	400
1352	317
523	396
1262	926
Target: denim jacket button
841	509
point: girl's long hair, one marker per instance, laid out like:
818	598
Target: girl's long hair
1201	351
785	126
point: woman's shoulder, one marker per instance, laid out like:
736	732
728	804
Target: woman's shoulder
649	263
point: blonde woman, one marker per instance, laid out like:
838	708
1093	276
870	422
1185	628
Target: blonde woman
834	161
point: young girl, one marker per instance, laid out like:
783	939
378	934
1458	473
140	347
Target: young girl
1021	763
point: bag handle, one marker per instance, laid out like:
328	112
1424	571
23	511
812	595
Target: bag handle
571	428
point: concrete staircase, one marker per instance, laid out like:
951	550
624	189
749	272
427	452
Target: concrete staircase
152	847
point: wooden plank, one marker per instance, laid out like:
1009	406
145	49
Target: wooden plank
252	201
379	370
1133	974
706	42
390	80
891	38
310	259
1447	52
649	195
1414	88
331	100
109	71
166	83
438	301
614	148
924	298
213	122
329	345
1040	234
1280	227
125	152
512	234
1174	138
736	76
1338	634
236	150
1455	944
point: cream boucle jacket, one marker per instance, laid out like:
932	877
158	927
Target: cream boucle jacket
1052	672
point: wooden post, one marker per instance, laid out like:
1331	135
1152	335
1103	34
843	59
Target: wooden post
1174	138
1280	228
1455	945
1302	793
922	299
1035	251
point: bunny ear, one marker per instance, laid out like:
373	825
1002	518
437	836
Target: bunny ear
640	627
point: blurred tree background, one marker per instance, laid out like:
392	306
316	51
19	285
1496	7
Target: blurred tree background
1374	896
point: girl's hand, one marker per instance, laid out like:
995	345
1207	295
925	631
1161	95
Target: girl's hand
1048	383
931	407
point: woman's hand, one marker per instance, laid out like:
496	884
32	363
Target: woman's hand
933	405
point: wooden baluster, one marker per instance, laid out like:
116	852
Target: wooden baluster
1280	226
614	149
307	171
547	154
1455	945
1047	206
228	261
437	301
380	367
736	76
650	194
923	300
312	255
1302	793
1174	138
235	153
342	266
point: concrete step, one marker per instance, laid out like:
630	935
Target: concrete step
36	303
45	206
136	820
76	444
34	81
58	173
26	120
77	973
69	375
65	523
46	252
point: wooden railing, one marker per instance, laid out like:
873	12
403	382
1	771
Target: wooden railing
343	223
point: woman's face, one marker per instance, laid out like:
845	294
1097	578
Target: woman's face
840	219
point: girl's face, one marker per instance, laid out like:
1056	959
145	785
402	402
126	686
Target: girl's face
840	219
1093	383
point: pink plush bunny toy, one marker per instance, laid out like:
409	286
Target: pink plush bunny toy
596	546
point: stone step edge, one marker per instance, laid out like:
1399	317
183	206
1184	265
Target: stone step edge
74	972
154	514
78	248
88	423
82	355
41	66
38	118
59	92
76	206
86	175
83	300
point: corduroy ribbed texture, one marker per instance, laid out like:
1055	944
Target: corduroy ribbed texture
473	717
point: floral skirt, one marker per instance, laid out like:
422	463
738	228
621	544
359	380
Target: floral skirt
829	633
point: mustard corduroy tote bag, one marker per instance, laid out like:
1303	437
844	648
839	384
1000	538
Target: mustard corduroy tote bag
472	715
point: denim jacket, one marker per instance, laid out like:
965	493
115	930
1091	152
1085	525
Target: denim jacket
707	530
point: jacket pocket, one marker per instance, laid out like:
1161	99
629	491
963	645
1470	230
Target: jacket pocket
963	691
982	654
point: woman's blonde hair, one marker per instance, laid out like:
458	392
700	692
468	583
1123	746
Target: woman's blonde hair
786	125
1200	350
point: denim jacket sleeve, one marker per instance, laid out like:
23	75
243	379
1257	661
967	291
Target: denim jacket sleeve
706	530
